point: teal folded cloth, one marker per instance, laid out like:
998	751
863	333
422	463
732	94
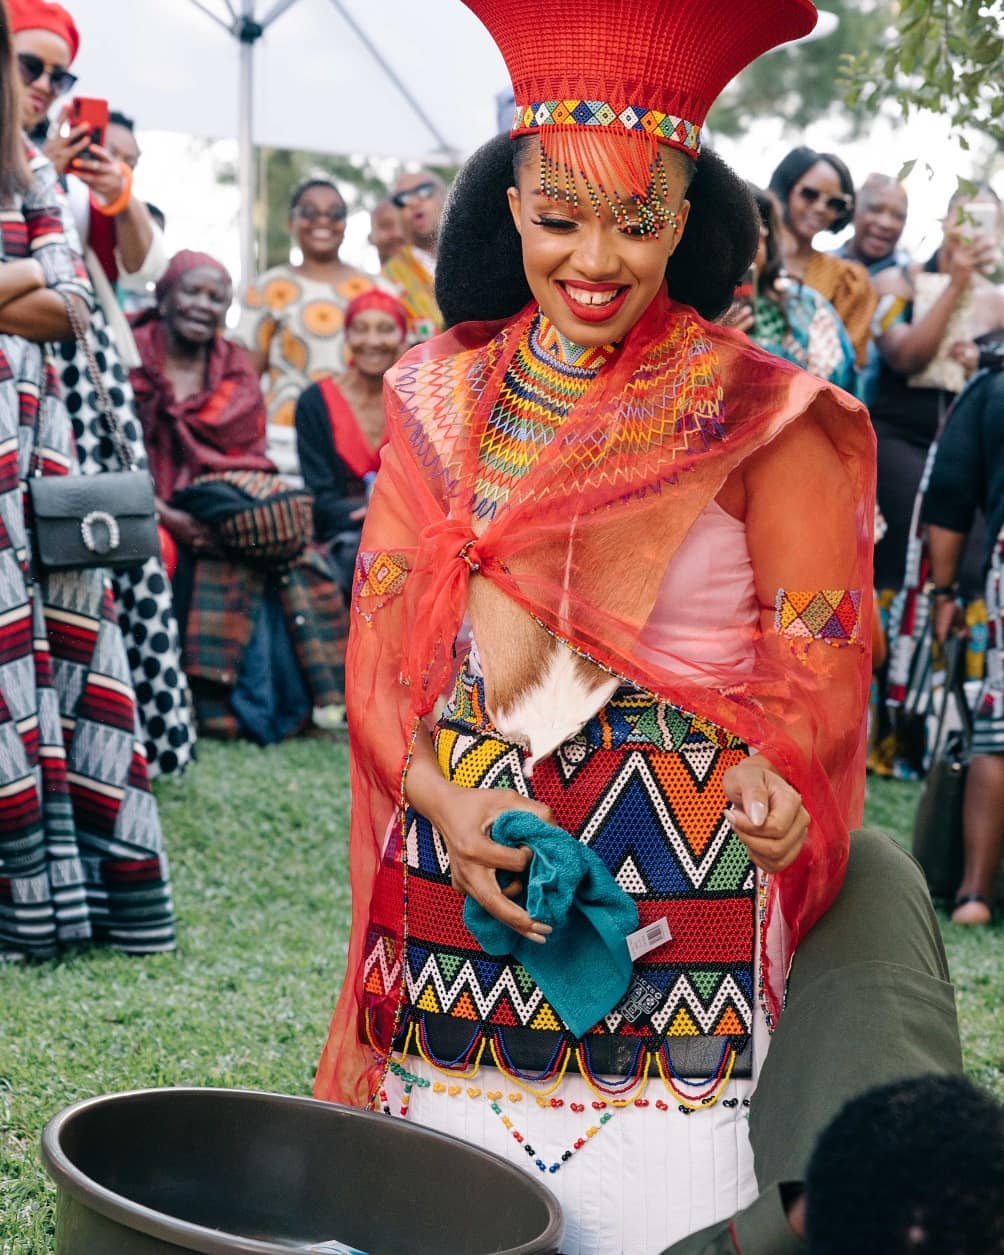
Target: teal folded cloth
583	968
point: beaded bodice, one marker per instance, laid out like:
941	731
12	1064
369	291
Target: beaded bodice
546	377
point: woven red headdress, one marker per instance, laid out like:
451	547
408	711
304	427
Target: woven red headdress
648	66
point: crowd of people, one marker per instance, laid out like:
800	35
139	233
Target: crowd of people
562	569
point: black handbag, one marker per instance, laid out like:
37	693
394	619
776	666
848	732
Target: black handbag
937	829
106	520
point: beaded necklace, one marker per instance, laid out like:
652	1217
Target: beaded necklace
546	377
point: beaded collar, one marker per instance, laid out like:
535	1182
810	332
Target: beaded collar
548	374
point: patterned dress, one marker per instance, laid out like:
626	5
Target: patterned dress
297	322
81	852
804	328
142	594
641	784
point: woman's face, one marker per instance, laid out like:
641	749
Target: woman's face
592	277
816	202
54	52
195	307
317	223
375	342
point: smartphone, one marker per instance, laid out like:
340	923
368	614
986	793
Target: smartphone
91	112
744	296
981	220
979	217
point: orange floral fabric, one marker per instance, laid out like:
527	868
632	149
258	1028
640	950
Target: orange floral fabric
583	545
297	322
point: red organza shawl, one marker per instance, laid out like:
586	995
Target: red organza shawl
584	547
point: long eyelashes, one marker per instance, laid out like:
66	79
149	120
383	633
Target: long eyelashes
558	224
632	230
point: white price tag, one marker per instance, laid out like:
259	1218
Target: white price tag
648	938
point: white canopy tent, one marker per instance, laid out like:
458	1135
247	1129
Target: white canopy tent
407	78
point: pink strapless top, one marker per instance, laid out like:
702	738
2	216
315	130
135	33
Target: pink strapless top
707	610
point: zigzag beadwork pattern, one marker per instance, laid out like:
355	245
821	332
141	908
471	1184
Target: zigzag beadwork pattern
641	784
602	113
538	392
670	410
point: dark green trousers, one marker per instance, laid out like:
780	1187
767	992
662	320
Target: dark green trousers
869	1001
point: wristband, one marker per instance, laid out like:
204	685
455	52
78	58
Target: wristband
122	200
945	590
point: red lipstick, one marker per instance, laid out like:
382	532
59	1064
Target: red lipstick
594	313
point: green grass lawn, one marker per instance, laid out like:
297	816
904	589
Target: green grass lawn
257	840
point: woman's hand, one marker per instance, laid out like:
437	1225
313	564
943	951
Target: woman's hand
186	529
102	174
740	316
766	813
464	821
969	255
949	617
62	149
464	817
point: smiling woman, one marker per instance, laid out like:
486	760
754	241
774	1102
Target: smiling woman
236	538
593	580
292	317
816	194
340	426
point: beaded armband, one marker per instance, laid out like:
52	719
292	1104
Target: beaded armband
379	576
830	615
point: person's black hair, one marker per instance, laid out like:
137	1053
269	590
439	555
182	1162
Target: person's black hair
15	178
791	168
115	118
773	267
157	214
479	266
913	1167
313	180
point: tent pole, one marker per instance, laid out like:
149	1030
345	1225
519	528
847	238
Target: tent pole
248	33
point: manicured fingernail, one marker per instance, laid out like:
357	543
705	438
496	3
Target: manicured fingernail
539	940
544	929
758	813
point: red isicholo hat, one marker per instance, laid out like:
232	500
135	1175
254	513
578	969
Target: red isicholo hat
651	69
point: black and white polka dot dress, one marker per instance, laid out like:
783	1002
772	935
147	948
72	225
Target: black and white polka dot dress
142	595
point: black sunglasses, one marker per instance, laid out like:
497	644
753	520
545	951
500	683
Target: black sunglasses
310	213
835	204
32	68
421	191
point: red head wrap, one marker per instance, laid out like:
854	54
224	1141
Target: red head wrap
181	263
43	15
375	298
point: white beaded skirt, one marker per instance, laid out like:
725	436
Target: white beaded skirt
648	1175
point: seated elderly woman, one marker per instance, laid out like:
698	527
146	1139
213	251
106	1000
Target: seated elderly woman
262	621
340	426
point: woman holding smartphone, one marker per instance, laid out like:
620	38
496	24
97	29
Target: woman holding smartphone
80	841
120	241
